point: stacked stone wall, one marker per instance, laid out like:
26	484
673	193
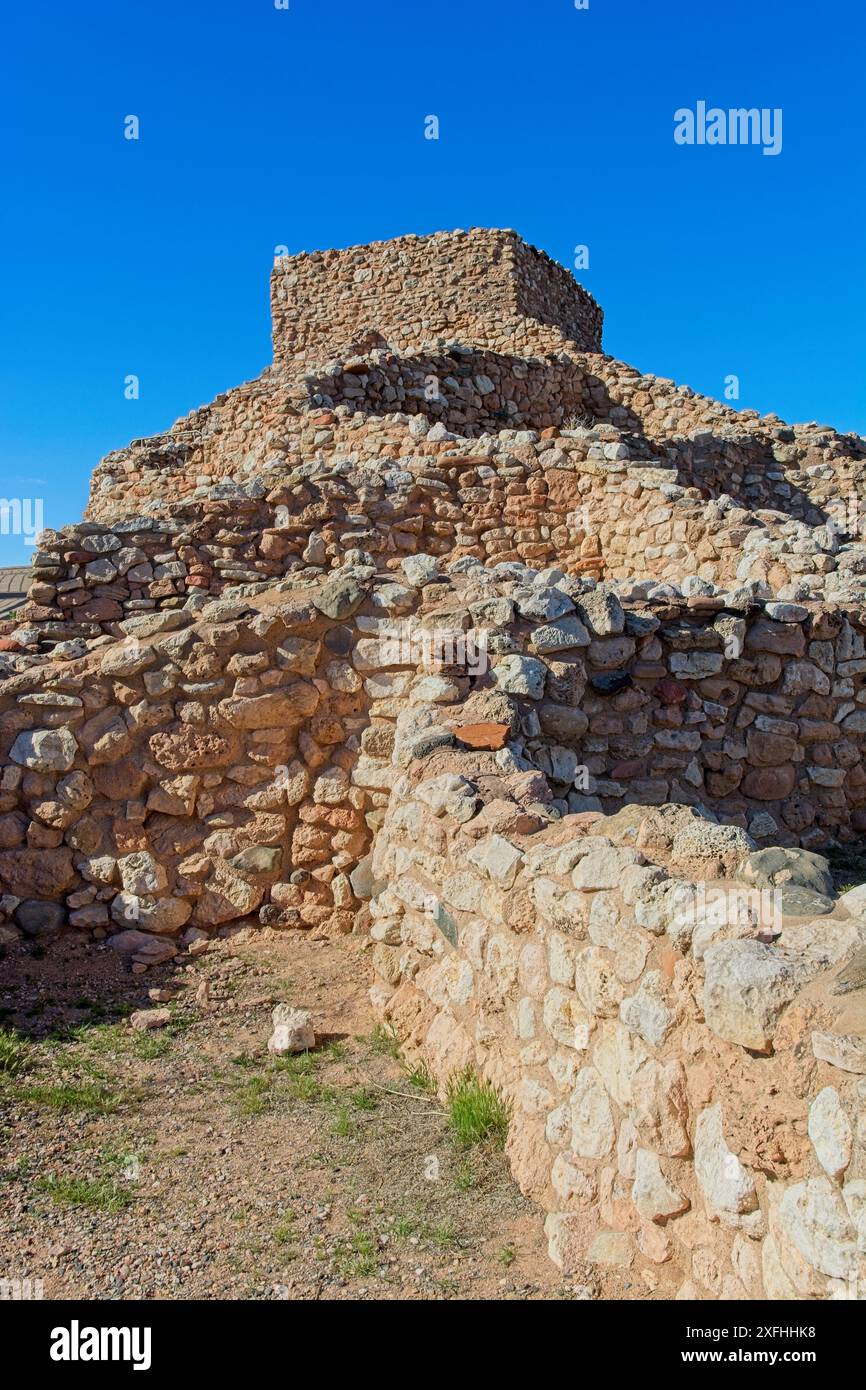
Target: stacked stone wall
684	1092
277	728
487	288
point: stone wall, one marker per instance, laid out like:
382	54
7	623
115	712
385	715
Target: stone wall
275	727
684	1089
487	288
373	404
592	499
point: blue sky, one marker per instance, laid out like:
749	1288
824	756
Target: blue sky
304	127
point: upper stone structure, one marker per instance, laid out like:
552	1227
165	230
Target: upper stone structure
485	288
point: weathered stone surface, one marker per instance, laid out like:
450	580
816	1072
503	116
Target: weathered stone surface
603	867
846	1051
42	873
521	675
226	896
602	612
281	708
38	918
105	738
45	750
746	986
142	1020
704	850
257	859
141	874
340	597
830	1131
612	1248
647	1012
655	1198
562	635
592	1133
163	916
150	950
814	1219
768	868
725	1183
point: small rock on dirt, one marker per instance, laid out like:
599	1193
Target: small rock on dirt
293	1030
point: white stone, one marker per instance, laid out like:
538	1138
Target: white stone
847	1051
746	986
561	959
646	1012
813	1217
564	1018
45	750
292	1032
574	1188
499	859
616	1056
830	1132
603	868
141	874
596	984
854	1197
593	1132
655	1198
725	1183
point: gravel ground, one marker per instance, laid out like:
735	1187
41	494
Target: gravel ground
185	1162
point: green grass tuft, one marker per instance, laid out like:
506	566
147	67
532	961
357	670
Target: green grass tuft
421	1077
98	1194
476	1111
13	1053
89	1097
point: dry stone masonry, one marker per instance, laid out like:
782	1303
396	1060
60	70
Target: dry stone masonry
548	677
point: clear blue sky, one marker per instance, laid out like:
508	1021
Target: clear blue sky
304	127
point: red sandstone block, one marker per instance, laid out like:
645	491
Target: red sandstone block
486	736
671	692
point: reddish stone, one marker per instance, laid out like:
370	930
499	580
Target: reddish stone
769	783
99	610
770	750
37	613
634	768
486	736
712	602
37	873
7	645
670	692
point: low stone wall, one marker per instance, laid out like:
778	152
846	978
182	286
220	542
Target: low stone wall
685	1098
180	777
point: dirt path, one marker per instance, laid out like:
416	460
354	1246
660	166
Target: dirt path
187	1163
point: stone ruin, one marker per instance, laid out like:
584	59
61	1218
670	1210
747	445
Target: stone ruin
547	676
